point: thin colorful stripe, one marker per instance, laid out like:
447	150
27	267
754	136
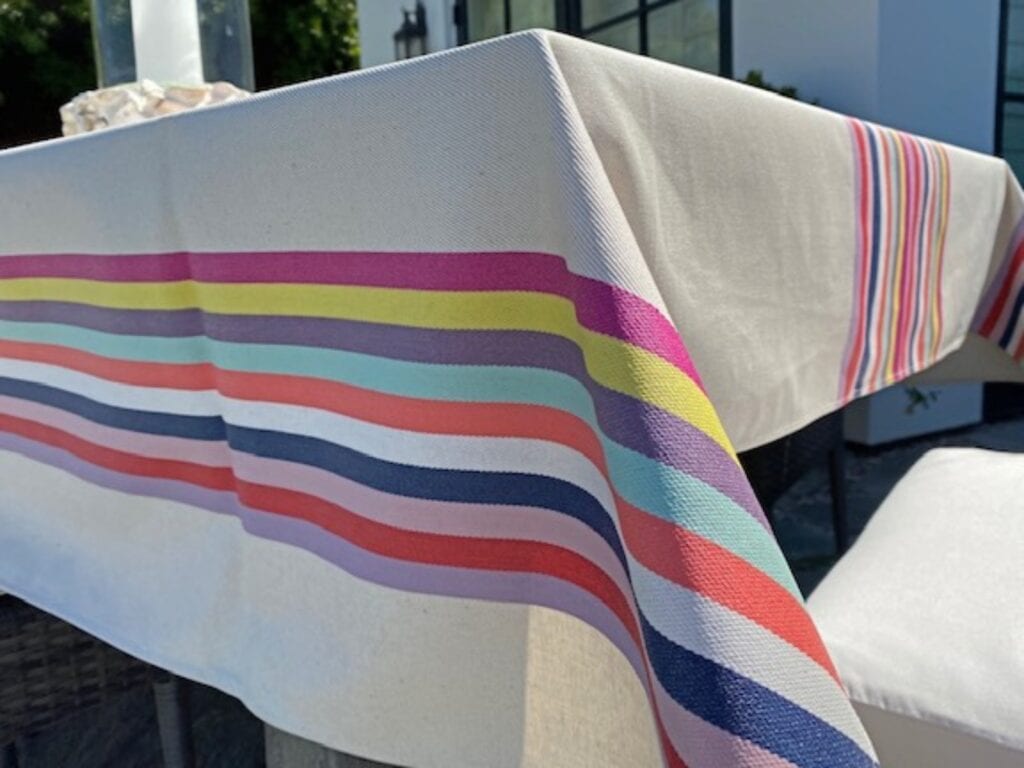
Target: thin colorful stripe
1000	316
901	210
477	425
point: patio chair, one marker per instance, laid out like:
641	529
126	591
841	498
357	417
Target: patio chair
924	616
50	670
773	468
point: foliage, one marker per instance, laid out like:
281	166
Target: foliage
297	40
46	55
755	77
45	58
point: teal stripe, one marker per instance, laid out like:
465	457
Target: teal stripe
662	490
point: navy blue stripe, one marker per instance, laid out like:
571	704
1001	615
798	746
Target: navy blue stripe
171	425
508	488
743	707
1013	321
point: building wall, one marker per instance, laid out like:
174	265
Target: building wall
926	66
828	49
938	69
378	20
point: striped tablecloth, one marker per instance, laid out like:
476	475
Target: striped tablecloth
366	400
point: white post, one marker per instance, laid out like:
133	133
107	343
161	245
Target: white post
166	36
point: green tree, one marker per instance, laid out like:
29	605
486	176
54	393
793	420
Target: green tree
296	40
46	55
45	59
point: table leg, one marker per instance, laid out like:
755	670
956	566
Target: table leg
174	720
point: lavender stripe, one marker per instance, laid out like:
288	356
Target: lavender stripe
443	581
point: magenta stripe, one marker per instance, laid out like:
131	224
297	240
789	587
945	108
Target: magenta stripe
601	307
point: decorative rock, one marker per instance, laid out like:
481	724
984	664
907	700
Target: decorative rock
134	102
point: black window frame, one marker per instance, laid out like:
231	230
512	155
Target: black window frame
568	19
1002	95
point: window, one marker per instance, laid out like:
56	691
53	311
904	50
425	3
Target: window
1010	97
695	33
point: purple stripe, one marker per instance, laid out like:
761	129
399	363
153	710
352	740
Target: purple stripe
641	427
599	306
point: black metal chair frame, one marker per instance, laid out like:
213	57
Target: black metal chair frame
50	670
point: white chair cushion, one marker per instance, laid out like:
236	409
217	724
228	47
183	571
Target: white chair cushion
924	616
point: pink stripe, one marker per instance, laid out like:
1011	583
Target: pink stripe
205	452
854	352
603	308
425	515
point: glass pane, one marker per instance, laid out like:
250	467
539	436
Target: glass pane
527	14
1013	137
113	41
485	18
686	33
596	11
1015	46
226	42
625	35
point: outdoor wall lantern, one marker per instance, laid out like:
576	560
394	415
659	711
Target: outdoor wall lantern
411	37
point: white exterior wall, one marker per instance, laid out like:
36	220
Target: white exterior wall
938	69
378	20
828	49
926	66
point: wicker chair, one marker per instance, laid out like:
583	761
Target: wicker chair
773	468
50	670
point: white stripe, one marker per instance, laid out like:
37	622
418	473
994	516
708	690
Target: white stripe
176	401
734	641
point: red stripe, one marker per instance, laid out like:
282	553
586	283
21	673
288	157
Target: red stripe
413	414
193	377
857	349
702	566
213	478
1004	295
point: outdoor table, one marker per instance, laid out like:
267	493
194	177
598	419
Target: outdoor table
375	401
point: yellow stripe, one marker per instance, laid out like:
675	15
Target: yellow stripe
615	364
898	256
940	249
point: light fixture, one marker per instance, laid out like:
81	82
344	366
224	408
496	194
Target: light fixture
411	37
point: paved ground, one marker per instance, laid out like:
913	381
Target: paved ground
123	735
